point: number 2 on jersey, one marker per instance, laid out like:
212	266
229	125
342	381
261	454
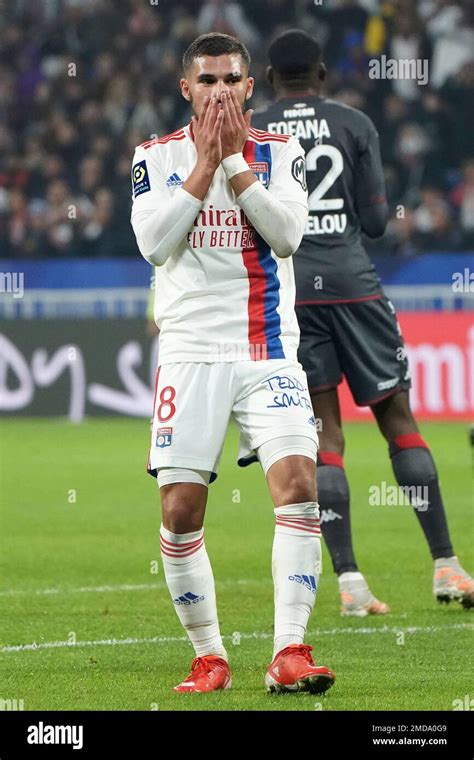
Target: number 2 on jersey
316	201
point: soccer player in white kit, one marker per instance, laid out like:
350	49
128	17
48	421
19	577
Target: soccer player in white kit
220	208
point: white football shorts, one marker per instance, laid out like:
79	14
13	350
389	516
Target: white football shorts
194	402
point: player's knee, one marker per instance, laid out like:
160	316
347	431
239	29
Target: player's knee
394	416
297	490
295	484
182	509
289	464
183	498
332	440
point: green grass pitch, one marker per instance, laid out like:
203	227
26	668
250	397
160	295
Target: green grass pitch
82	578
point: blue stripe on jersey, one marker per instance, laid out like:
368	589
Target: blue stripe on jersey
272	283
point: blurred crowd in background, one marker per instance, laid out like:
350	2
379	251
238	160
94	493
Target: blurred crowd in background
82	82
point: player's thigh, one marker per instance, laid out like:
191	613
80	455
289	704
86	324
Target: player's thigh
278	428
371	350
192	406
317	352
272	401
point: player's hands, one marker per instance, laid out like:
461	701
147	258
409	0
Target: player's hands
207	133
235	130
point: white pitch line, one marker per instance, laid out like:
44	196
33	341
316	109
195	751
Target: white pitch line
120	587
82	589
254	635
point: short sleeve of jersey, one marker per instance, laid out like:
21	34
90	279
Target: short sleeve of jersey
149	188
288	178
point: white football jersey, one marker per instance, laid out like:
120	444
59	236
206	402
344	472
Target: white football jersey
223	294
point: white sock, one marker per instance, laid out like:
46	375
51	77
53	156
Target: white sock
446	561
190	582
296	565
350	576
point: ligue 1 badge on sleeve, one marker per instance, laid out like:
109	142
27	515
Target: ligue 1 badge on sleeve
140	179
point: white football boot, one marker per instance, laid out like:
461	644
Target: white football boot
452	583
357	599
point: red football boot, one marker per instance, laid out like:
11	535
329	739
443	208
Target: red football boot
208	673
293	669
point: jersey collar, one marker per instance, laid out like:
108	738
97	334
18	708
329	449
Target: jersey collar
298	95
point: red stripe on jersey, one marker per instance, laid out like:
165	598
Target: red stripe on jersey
172	139
263	140
257	286
156	389
173	134
262	136
149	143
148	464
179	134
165	137
261	132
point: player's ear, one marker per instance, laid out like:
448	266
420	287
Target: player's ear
269	73
250	84
322	71
183	83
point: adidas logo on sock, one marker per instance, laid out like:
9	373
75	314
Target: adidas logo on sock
174	180
309	581
188	598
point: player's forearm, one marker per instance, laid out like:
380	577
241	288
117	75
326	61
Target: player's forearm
280	224
238	172
370	196
373	219
241	182
161	232
199	181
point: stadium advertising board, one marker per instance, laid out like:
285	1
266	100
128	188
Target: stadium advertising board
100	367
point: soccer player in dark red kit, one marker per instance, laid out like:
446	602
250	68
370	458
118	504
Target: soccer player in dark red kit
348	325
